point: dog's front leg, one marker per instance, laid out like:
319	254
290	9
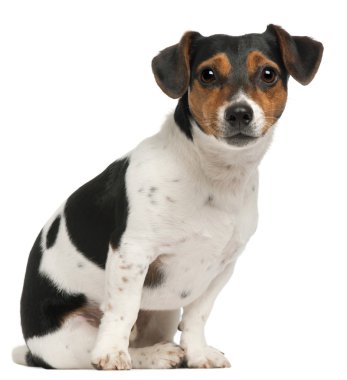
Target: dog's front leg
125	272
197	353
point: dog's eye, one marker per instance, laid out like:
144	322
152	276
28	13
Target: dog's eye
268	75
207	76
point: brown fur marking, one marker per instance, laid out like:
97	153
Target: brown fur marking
90	312
219	62
272	100
256	59
204	103
155	275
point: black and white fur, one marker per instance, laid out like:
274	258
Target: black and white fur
159	230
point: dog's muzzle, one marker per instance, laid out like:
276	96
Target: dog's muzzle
239	130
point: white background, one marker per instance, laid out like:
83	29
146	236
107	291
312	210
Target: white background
77	92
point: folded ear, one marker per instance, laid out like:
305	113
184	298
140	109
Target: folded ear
301	55
171	66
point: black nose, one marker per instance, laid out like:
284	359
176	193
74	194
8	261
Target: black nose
239	115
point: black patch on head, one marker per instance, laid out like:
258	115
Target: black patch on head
35	361
96	214
43	306
53	233
237	49
182	116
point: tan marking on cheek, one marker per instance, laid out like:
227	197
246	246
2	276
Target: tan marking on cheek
219	62
272	101
204	104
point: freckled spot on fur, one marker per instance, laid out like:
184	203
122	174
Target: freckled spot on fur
80	265
121	318
176	180
253	188
120	289
67	347
153	189
140	362
209	200
209	267
228	167
124	279
126	267
153	362
140	190
169	199
154	203
166	245
202	261
185	293
109	307
143	354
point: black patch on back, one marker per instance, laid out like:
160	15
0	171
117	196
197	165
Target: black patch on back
43	307
182	115
96	214
53	233
35	361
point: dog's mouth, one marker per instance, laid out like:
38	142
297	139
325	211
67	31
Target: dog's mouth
240	139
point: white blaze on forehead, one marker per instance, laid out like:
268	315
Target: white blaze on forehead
258	121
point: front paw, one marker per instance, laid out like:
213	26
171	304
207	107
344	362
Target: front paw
112	359
208	357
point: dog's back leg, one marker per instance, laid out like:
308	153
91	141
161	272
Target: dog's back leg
70	346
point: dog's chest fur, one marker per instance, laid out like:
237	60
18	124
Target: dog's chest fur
195	226
191	210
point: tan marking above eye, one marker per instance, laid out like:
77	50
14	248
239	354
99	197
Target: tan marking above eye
256	59
219	62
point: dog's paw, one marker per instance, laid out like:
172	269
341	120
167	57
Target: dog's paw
158	356
209	357
112	360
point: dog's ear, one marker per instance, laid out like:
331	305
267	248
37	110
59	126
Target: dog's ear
171	66
301	55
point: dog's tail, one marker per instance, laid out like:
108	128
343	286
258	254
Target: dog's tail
19	355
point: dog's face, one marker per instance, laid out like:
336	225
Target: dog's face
236	87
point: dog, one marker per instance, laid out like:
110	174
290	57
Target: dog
160	229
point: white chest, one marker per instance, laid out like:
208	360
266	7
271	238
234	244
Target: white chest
195	238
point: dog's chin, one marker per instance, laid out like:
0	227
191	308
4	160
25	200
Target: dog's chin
241	140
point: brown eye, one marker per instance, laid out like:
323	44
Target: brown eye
268	75
207	76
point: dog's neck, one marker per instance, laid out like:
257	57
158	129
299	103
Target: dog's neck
221	163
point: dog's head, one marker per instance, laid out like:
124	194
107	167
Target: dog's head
235	88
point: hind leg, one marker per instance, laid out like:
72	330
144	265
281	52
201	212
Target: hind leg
70	347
